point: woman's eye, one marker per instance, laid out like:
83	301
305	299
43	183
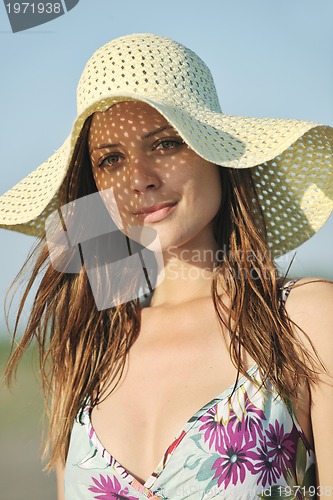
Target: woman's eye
164	144
109	160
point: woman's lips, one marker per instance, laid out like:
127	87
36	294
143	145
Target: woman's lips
156	214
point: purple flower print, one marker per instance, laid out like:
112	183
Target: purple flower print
251	415
266	466
282	445
235	456
109	490
212	428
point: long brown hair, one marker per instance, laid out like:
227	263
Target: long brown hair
83	350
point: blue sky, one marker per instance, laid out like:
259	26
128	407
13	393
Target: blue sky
269	58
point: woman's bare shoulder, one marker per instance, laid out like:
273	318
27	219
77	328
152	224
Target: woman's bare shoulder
310	306
313	293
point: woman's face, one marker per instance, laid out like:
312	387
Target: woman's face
156	179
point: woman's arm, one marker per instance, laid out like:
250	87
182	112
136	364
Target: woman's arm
311	307
60	471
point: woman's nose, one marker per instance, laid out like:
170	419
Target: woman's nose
143	175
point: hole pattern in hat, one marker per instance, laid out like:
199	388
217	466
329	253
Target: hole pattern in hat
148	66
296	190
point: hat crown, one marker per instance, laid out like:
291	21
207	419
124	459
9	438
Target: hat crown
152	67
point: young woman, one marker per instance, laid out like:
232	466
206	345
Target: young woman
206	382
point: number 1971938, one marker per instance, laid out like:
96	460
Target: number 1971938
33	8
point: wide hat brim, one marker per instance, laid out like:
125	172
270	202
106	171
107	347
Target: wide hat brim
291	160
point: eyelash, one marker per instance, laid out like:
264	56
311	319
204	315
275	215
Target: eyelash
175	141
106	157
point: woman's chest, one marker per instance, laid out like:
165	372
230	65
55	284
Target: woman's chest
168	377
241	441
174	369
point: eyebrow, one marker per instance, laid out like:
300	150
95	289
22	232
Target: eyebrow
154	132
102	146
146	136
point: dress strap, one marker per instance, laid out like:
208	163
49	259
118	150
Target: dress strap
286	289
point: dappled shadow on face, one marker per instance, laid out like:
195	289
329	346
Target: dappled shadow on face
143	159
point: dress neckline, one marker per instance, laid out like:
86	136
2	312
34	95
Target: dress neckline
171	449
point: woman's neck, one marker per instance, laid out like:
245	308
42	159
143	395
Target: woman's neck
188	273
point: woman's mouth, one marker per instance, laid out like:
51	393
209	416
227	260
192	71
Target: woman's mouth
155	213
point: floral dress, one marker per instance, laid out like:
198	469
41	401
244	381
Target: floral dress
244	444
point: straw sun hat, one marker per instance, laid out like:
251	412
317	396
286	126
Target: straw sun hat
291	160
